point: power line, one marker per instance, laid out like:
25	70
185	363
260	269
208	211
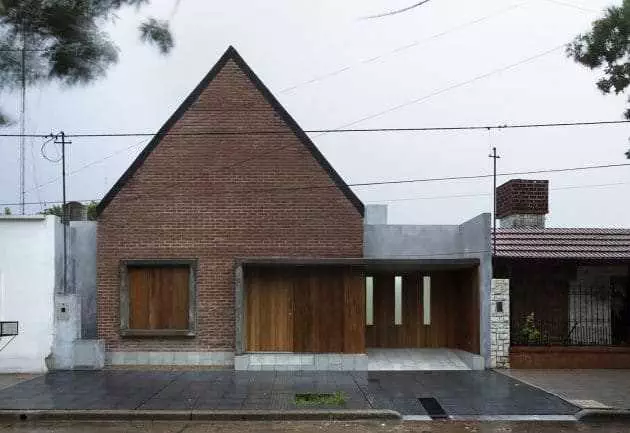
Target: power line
340	130
455	128
478	176
454	86
397	50
487	194
403	181
90	164
397	11
344	129
47	202
424	98
574	6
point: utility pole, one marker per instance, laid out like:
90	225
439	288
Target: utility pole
494	157
23	126
61	139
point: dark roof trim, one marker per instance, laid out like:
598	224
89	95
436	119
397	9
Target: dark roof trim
298	261
232	54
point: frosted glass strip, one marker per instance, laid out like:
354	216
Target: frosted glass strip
426	300
369	300
398	300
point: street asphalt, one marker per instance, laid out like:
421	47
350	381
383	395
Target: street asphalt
322	426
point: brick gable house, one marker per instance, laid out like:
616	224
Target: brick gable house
229	179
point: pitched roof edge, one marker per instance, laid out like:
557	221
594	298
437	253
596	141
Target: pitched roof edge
299	132
232	54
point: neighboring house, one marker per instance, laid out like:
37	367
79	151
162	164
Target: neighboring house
28	279
55	324
569	287
231	240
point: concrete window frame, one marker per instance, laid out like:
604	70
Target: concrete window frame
125	331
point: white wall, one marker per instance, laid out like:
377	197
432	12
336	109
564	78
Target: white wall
27	287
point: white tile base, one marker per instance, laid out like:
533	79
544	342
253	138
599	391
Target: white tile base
416	359
300	362
211	359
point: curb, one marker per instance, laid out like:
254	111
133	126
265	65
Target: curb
587	415
197	415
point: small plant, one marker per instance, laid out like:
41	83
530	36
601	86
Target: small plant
529	333
316	399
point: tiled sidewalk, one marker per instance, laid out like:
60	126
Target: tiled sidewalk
591	389
8	380
460	393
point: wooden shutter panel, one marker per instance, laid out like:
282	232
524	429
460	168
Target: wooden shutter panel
159	297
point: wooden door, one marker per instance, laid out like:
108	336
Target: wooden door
269	306
305	310
319	311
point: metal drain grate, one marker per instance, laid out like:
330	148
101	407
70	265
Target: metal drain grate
433	408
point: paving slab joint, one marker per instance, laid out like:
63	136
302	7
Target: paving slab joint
196	415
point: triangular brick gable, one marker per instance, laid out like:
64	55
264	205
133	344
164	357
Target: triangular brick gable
192	118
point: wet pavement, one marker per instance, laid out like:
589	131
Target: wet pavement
308	427
460	393
8	380
586	388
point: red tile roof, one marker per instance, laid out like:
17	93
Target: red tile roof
565	243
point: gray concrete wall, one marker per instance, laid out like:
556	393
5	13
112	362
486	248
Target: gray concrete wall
75	304
411	241
476	242
468	240
58	256
67	331
82	272
375	214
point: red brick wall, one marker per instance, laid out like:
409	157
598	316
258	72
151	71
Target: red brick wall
523	196
186	202
557	357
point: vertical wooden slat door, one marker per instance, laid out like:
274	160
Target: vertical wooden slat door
319	310
305	310
269	307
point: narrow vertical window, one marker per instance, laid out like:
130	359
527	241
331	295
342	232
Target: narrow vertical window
426	300
398	300
369	301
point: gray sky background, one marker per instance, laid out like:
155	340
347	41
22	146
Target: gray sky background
424	51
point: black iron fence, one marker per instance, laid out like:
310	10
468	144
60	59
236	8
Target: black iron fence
583	316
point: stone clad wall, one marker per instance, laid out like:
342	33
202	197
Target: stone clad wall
500	324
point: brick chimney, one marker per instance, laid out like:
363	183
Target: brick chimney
523	203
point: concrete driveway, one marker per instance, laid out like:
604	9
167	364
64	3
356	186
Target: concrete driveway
589	389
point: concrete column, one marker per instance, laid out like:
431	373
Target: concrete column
239	296
500	323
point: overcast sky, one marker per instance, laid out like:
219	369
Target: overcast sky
423	55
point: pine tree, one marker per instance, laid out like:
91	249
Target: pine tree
65	40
